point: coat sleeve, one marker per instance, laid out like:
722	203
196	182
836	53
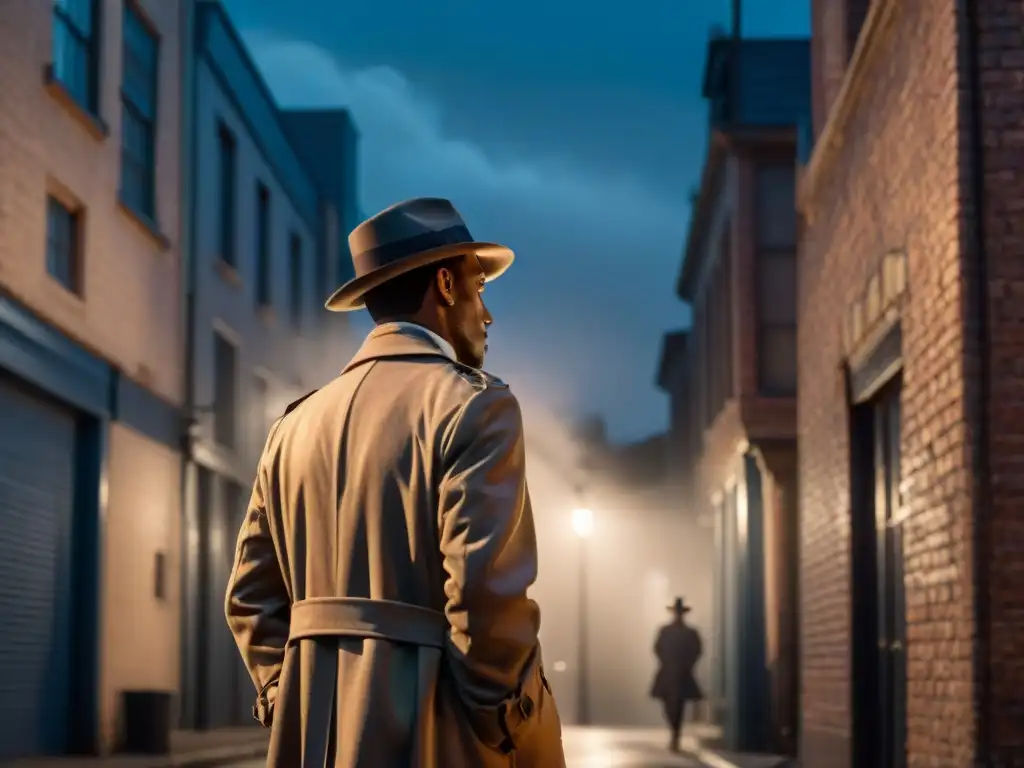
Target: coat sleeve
489	550
257	604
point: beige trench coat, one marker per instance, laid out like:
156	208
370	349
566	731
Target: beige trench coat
378	595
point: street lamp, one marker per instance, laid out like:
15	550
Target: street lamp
583	526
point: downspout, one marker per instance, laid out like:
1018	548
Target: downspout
980	449
190	130
188	133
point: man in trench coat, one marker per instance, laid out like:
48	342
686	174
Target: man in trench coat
378	595
678	649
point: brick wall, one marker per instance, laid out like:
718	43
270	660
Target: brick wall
891	181
44	145
1002	63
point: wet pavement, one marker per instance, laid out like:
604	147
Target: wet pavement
621	748
605	748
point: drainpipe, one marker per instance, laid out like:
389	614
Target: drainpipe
980	449
187	246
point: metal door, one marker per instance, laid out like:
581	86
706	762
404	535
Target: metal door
220	662
892	627
37	469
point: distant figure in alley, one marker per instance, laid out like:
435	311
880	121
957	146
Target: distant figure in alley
678	649
378	596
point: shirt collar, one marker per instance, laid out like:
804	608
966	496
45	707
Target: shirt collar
443	344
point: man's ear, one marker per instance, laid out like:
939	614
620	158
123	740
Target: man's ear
446	285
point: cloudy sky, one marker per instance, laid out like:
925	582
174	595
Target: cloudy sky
571	130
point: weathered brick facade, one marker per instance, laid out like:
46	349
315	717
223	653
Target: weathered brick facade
891	183
48	144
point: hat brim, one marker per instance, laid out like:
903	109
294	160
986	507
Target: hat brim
494	260
678	608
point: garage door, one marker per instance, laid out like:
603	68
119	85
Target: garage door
37	445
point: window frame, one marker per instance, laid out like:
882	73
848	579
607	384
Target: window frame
73	282
63	22
227	170
264	250
765	327
766	198
132	111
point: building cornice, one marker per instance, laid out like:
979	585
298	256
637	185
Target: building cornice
876	23
717	149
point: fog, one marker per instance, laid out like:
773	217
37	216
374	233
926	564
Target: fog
644	550
647	547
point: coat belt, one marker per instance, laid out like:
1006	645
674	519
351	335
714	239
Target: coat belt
322	617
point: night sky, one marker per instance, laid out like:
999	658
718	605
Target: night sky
571	131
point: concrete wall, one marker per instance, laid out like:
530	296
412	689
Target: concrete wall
140	628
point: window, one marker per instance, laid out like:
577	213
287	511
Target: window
76	50
138	123
227	147
262	245
225	377
776	306
295	279
723	316
63	246
776	207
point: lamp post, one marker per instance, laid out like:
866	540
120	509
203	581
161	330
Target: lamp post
583	526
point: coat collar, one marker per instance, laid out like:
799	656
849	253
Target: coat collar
397	340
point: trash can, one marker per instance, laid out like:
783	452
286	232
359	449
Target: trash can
147	722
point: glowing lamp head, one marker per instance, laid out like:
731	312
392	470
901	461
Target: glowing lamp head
583	522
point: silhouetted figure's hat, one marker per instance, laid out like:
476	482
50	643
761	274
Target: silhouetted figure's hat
679	607
408	235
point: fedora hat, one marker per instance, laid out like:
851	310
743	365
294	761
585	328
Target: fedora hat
408	235
679	606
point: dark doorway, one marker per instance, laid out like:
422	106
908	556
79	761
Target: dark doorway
877	589
204	502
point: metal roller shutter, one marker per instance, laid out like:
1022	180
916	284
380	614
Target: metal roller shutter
222	703
37	455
